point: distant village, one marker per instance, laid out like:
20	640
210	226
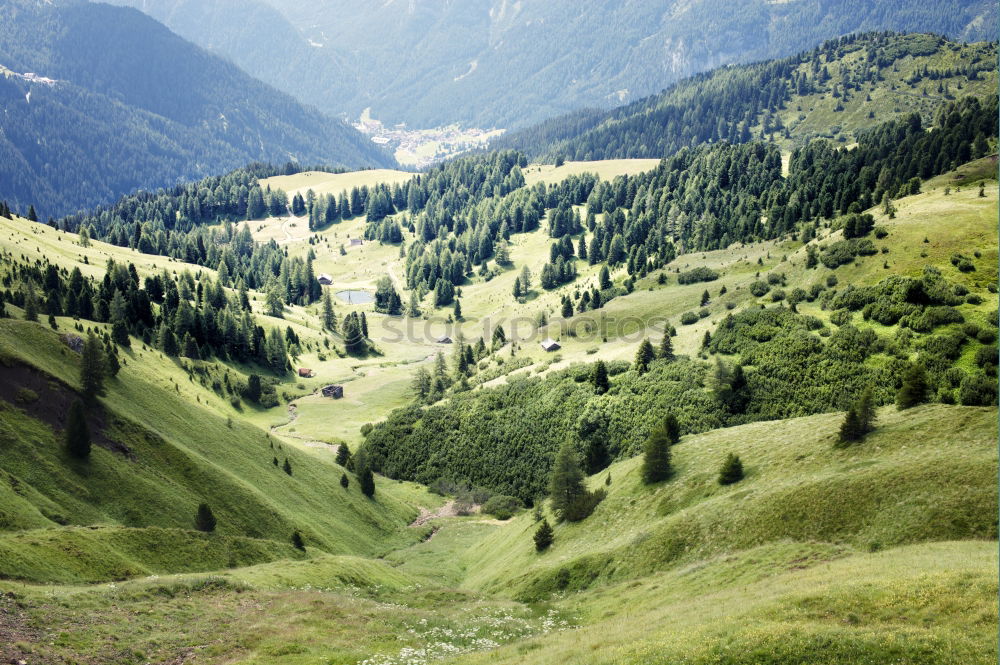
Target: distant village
423	147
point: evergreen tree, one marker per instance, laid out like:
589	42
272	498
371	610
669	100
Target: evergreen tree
363	470
705	298
914	388
731	471
204	520
297	541
566	484
656	456
344	481
543	536
168	341
30	304
666	347
328	316
604	278
92	368
458	310
343	455
287	467
32	215
599	377
253	390
77	431
859	419
643	356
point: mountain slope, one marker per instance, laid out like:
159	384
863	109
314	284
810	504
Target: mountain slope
509	64
135	106
835	91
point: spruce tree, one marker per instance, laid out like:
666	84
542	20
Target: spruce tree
566	484
731	471
363	470
287	467
344	481
343	455
643	356
599	377
30	304
656	456
850	428
666	347
914	388
297	541
93	366
77	431
543	536
672	428
328	318
204	520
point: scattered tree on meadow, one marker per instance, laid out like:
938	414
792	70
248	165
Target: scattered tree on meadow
92	368
570	499
859	419
287	467
343	455
656	456
77	431
672	428
914	388
731	471
543	536
344	481
329	318
297	541
363	470
666	347
204	519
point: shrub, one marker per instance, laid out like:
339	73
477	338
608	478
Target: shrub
687	318
977	390
502	507
759	289
696	275
543	536
731	471
25	396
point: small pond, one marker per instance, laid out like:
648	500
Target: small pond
356	297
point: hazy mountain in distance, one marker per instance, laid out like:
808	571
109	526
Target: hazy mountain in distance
507	64
260	40
133	106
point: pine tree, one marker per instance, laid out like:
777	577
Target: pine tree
253	390
363	470
543	536
731	471
458	310
77	431
30	304
204	520
343	455
666	347
92	368
914	388
329	323
656	456
566	484
604	278
344	482
599	377
866	411
705	298
287	467
850	429
297	541
32	215
643	356
672	428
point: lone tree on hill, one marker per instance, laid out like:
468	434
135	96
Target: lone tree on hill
543	536
287	467
343	455
92	367
570	499
204	520
731	471
344	481
859	420
77	431
656	456
914	388
363	470
599	377
297	541
643	356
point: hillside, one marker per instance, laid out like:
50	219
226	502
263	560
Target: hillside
110	128
835	91
493	63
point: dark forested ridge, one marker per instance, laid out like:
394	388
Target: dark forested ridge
134	106
860	77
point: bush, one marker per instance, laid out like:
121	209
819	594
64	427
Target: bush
687	318
977	390
731	471
759	289
543	536
25	396
502	507
696	275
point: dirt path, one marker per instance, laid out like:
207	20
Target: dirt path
449	509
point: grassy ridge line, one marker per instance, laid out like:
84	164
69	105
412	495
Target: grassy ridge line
184	453
926	474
